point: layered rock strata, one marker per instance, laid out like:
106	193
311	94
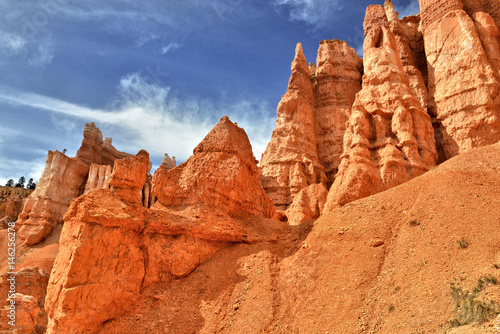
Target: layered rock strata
463	62
290	162
98	177
63	179
389	138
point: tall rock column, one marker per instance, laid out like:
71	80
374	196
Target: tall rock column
408	56
336	81
389	138
463	83
290	162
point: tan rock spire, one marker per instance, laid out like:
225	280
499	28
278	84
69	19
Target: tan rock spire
290	162
337	81
389	138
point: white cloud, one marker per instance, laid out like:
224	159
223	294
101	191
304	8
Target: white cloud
12	43
148	116
171	46
14	169
43	55
313	12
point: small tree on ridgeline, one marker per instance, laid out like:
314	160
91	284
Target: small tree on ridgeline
31	184
20	183
10	183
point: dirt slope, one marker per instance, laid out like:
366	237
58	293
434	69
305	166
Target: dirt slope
384	264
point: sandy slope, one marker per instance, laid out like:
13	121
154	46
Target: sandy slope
363	268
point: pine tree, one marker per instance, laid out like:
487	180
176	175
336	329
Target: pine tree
31	184
10	183
20	183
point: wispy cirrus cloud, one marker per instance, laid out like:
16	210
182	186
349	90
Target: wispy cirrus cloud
314	12
169	47
150	116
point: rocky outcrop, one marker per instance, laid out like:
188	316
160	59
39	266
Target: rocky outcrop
112	246
31	286
408	55
167	162
290	162
129	176
222	175
100	261
389	138
96	150
462	54
11	204
336	82
98	177
63	179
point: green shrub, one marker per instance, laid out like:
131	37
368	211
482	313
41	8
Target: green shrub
469	307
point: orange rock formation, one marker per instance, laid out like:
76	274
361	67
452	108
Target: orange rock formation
389	139
463	76
62	180
112	246
200	247
290	162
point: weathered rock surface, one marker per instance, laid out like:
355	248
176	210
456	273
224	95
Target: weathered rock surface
290	162
98	177
389	139
222	175
31	286
336	82
307	205
11	204
167	162
63	179
408	55
129	176
462	55
374	265
95	150
100	261
112	246
26	314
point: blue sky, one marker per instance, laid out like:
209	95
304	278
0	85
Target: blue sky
154	75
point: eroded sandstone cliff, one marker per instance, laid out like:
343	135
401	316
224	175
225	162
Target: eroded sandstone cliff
389	138
462	54
63	179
